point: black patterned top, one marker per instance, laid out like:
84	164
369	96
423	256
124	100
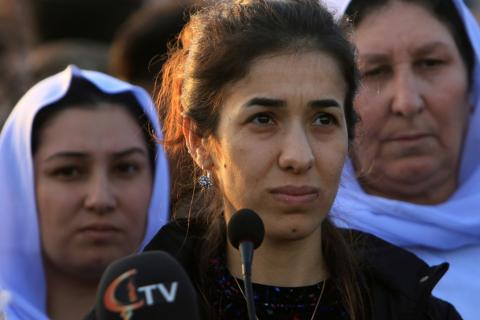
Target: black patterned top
279	303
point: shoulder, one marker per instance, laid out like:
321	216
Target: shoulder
398	278
440	309
397	266
180	238
176	234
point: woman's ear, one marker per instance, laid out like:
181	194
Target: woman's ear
196	145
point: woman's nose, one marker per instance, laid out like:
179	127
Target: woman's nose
100	197
296	154
407	98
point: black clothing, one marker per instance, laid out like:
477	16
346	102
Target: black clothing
398	283
279	303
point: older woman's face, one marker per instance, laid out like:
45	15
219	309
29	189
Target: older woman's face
282	141
413	103
93	182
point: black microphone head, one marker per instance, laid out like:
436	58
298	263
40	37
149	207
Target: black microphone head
151	285
245	225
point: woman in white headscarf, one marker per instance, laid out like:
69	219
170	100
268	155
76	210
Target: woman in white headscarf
414	175
82	184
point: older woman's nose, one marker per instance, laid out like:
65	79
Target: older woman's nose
407	100
296	154
99	195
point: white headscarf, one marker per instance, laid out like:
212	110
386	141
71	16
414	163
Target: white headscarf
449	225
21	269
445	231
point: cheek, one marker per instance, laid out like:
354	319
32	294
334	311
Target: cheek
239	170
55	207
54	224
230	171
135	200
452	125
49	228
448	95
372	113
450	109
332	163
223	157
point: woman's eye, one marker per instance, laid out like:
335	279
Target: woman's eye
262	119
324	119
375	72
127	168
429	63
67	172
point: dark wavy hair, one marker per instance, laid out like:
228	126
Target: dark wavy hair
215	49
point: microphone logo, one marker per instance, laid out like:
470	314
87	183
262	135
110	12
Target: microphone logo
150	298
113	304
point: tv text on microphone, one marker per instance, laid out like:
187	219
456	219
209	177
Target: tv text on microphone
146	286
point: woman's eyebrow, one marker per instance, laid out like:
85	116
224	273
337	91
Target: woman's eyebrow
264	102
66	154
373	58
269	102
83	155
129	151
324	103
431	47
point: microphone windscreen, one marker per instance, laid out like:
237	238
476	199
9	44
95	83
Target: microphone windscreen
150	285
245	225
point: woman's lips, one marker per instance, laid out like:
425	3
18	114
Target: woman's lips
99	232
407	136
409	139
293	195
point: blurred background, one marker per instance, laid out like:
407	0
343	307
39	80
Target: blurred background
125	38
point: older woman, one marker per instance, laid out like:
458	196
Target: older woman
260	102
414	175
82	184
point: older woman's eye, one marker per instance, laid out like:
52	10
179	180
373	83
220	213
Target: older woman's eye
375	72
324	119
429	63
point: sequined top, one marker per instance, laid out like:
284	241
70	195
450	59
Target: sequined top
272	302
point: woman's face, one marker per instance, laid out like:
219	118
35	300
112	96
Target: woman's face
93	182
282	141
413	103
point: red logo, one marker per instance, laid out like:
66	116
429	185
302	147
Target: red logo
113	304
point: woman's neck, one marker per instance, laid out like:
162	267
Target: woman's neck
283	263
67	297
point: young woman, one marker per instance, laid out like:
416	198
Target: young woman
82	185
415	177
260	100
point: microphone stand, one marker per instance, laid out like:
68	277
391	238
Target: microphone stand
246	254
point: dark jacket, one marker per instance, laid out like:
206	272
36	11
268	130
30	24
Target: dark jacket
398	283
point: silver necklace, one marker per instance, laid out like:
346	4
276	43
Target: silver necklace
316	305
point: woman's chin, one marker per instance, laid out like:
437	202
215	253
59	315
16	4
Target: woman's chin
411	172
291	231
98	262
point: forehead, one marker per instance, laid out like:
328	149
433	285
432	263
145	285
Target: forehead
288	74
400	25
108	128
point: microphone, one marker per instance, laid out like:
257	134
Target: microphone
151	285
245	232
